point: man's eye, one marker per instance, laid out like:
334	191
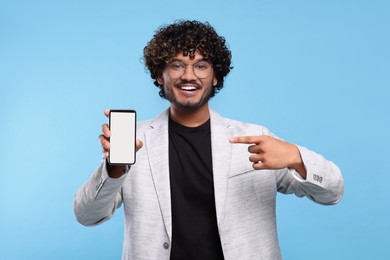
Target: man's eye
201	66
176	66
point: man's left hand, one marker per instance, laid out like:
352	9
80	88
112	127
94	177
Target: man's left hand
270	153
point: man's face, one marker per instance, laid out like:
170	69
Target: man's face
188	83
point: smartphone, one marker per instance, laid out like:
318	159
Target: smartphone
122	124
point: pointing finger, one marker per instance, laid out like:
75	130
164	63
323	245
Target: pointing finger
245	140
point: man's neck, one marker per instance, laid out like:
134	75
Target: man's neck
190	117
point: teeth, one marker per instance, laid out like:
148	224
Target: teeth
187	88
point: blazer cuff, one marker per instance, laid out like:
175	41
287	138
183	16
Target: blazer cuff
313	164
107	181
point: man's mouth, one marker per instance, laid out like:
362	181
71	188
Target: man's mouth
188	88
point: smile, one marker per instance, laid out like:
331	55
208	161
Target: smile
188	88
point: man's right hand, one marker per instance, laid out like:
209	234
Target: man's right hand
113	171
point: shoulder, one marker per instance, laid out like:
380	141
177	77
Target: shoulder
158	122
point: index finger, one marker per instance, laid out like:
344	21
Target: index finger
245	140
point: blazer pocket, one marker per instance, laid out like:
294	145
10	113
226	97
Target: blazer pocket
241	169
264	184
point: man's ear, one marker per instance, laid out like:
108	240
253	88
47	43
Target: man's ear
160	81
215	82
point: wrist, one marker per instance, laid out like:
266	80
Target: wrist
297	163
115	171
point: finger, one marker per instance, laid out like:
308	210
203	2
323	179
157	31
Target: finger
105	151
259	166
138	144
106	112
106	130
245	140
255	158
254	148
105	143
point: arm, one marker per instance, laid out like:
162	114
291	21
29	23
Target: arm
299	170
97	200
324	182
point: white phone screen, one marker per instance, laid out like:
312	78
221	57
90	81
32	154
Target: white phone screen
123	133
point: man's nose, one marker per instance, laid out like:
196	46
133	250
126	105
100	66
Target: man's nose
189	73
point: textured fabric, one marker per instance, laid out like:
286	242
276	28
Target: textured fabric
194	221
245	198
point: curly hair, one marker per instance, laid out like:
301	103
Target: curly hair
187	37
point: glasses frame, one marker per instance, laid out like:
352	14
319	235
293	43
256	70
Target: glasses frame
180	69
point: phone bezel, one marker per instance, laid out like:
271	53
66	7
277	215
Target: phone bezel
135	134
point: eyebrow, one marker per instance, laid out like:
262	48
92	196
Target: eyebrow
196	60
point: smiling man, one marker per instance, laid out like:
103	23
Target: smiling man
204	186
188	85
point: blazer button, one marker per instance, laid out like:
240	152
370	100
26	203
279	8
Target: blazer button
165	245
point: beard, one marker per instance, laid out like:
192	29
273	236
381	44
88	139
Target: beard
188	105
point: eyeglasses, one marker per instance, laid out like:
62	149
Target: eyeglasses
201	69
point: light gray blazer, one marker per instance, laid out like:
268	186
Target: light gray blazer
245	198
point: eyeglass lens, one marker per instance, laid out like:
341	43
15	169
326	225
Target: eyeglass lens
201	69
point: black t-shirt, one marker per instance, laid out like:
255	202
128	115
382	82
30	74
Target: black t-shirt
194	223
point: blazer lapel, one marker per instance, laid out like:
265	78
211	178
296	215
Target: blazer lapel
221	153
156	143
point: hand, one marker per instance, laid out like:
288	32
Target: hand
270	153
113	171
105	138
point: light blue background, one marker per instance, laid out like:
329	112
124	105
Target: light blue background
316	73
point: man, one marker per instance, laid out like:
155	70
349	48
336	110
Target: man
203	187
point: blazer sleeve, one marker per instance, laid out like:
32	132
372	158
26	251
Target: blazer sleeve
97	200
324	183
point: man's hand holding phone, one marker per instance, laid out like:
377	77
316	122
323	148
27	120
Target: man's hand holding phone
118	140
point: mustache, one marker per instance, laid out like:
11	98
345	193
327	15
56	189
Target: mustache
184	82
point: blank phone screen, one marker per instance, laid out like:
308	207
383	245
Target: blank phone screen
122	139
